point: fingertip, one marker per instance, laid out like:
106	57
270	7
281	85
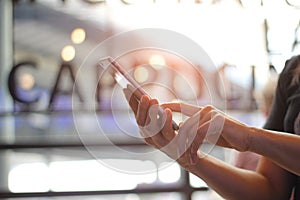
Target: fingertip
153	101
168	112
144	98
125	90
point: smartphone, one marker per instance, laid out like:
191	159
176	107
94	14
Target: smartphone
126	81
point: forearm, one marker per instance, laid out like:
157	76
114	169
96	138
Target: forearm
281	148
231	182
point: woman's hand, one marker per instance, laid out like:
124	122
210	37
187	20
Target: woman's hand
213	126
158	132
204	123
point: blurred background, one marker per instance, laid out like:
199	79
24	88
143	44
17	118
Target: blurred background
66	131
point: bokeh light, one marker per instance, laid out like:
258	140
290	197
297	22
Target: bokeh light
141	74
157	61
169	174
78	35
26	81
68	53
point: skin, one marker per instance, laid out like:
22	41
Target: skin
274	177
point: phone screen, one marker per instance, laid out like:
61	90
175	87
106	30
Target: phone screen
125	80
121	76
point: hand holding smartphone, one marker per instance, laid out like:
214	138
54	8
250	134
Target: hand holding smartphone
126	81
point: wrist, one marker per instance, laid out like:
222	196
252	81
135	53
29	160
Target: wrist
252	139
197	162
